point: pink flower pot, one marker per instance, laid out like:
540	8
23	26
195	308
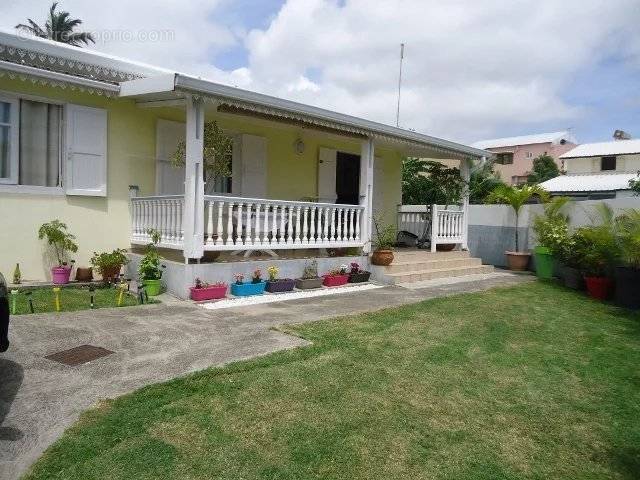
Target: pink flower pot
60	275
208	293
335	280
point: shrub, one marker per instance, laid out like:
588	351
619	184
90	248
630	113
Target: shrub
150	268
552	228
628	233
59	238
105	261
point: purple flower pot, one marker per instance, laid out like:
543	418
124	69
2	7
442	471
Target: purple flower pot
280	285
60	275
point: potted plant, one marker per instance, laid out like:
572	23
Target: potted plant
383	243
84	274
337	277
570	262
150	269
278	285
244	289
516	197
552	233
109	264
202	291
62	242
595	247
357	275
310	278
627	274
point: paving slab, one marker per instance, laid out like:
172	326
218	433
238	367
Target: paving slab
40	398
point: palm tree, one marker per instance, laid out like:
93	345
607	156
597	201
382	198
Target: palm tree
516	197
58	27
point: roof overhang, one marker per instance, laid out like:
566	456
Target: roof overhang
168	88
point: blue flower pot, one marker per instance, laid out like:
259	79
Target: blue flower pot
247	289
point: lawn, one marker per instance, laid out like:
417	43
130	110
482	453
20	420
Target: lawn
531	381
71	299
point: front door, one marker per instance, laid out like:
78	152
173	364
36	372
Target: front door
347	178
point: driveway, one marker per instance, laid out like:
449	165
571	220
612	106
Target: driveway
40	398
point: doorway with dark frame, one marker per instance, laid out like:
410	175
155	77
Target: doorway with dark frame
347	178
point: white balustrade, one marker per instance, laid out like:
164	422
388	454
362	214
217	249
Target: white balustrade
448	225
162	214
251	224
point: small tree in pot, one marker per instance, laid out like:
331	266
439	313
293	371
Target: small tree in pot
383	243
62	242
150	268
628	273
516	197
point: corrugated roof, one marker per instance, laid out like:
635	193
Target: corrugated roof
551	137
601	182
615	147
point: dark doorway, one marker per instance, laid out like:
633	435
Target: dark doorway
348	178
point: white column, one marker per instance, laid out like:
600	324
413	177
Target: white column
367	156
435	226
465	173
193	218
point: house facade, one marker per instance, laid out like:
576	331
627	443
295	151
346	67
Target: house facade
598	170
514	155
87	138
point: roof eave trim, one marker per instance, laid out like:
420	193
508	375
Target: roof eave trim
224	92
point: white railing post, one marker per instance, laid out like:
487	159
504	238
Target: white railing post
193	218
465	173
367	158
434	226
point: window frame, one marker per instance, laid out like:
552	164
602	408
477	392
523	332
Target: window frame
11	185
609	157
500	158
14	138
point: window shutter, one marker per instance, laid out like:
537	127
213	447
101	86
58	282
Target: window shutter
327	163
254	166
86	168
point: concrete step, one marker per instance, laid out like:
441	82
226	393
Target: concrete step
432	263
400	256
422	275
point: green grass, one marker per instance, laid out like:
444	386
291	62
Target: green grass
527	382
71	299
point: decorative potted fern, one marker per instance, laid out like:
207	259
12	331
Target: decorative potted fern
337	277
202	291
62	242
310	278
278	285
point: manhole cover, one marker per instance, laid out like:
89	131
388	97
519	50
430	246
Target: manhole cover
79	355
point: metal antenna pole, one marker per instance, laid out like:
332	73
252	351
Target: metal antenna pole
399	84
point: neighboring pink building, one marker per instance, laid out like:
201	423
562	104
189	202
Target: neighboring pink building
514	155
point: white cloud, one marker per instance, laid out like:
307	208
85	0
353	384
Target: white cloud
472	68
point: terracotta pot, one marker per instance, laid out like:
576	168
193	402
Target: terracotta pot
84	274
517	261
110	274
382	257
445	247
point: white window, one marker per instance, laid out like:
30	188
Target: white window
529	155
30	143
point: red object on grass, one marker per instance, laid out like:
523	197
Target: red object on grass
598	287
208	293
335	280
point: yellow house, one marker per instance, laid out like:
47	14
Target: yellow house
86	138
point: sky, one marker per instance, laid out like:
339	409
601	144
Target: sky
473	69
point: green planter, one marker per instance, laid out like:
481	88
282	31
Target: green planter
153	287
544	262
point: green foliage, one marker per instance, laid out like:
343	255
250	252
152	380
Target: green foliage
150	267
552	228
628	232
596	246
544	168
385	238
106	260
483	181
59	238
634	185
216	153
426	182
58	27
516	197
310	270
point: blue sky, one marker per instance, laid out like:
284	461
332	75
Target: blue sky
473	69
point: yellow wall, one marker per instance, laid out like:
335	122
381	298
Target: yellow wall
624	163
103	223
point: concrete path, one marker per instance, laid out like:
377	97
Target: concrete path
39	398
